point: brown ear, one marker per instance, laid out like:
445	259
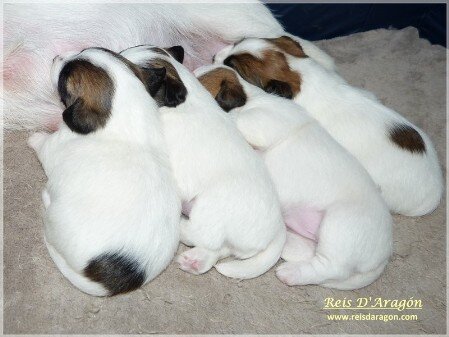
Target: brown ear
79	118
230	96
270	72
288	45
87	92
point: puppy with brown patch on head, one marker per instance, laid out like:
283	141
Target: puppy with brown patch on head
230	201
326	195
112	209
400	157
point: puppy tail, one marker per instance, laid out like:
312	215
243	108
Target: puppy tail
256	265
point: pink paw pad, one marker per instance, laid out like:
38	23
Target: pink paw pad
188	264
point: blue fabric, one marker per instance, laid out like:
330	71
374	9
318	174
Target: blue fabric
325	21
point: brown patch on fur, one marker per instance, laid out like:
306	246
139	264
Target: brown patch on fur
212	80
225	87
407	138
272	66
288	45
87	91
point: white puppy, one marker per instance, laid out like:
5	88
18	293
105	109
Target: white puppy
112	209
326	195
227	193
35	32
399	157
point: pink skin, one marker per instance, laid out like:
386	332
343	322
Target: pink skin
187	207
304	220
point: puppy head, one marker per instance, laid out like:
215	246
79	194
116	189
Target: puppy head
170	91
264	63
224	86
88	82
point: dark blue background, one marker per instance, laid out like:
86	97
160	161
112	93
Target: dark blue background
325	21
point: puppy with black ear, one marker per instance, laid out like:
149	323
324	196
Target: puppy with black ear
399	156
326	195
112	209
227	194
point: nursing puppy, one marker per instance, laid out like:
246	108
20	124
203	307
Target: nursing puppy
34	33
112	210
399	157
325	194
225	189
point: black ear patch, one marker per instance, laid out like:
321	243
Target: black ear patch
280	88
153	79
177	52
175	92
230	96
86	91
117	273
407	138
163	83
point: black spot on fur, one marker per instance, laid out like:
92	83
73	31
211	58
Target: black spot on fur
116	272
407	138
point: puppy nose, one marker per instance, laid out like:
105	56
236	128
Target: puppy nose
213	59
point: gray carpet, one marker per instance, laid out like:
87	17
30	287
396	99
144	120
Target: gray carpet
407	73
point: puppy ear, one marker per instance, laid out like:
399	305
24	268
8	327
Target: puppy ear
280	88
230	61
175	92
230	96
153	79
80	119
166	90
87	92
177	52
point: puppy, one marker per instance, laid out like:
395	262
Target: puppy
227	193
399	157
112	210
326	195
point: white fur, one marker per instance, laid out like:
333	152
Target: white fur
411	183
311	170
235	207
110	191
35	32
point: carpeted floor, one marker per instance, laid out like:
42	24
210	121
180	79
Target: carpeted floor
407	74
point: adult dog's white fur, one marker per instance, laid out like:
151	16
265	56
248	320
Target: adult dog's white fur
35	33
110	194
411	182
235	207
311	170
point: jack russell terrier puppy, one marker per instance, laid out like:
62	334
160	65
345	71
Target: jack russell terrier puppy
326	195
399	157
227	194
112	208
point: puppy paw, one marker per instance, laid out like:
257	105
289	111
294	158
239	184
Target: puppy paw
196	261
289	273
36	140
